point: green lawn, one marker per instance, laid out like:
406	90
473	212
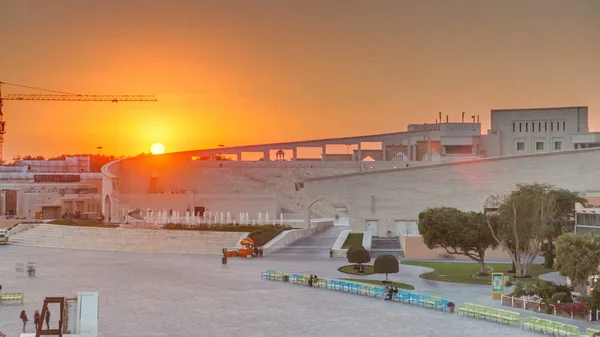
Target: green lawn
82	223
349	269
462	272
353	239
378	282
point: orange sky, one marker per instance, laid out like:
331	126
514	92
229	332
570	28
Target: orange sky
244	72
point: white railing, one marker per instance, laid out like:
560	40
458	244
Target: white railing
538	306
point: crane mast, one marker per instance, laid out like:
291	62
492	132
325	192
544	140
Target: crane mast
60	96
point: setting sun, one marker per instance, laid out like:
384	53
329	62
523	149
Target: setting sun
157	148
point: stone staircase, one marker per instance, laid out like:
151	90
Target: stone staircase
126	239
385	245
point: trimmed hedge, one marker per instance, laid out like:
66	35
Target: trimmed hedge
82	223
259	234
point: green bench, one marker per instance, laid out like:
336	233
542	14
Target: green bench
12	297
589	332
490	313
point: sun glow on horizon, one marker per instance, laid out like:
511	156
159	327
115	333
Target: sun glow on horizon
157	148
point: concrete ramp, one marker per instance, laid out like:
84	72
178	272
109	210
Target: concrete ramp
318	243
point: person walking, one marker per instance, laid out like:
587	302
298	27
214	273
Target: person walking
48	320
36	319
24	319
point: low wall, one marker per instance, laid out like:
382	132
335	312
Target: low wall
339	243
288	237
19	228
367	238
415	248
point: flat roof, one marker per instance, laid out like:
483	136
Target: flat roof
549	108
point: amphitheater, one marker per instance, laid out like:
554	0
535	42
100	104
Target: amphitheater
381	183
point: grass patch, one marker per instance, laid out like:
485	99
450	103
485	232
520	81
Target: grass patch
349	269
353	239
82	223
264	235
260	234
462	272
380	283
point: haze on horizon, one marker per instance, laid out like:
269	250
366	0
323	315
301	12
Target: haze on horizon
240	72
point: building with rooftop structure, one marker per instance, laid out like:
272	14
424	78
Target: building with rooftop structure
49	189
383	186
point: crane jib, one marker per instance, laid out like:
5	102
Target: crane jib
86	98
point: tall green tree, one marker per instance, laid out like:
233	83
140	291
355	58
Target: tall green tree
525	219
457	232
563	223
578	257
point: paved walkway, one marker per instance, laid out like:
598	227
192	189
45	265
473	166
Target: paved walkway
554	277
195	295
316	244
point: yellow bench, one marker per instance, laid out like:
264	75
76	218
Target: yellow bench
12	297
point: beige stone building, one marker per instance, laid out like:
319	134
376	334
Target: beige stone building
381	188
50	189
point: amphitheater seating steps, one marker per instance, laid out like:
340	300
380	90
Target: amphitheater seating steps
385	245
129	240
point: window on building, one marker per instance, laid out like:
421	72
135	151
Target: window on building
545	126
551	126
526	127
539	126
520	146
564	126
539	146
532	127
520	127
558	126
514	127
558	145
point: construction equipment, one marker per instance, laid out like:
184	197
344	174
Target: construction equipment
61	96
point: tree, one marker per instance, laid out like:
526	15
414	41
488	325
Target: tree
359	255
385	264
578	257
563	223
524	220
457	232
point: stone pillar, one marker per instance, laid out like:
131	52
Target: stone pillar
359	153
306	217
239	156
384	151
429	148
324	153
294	154
409	151
267	155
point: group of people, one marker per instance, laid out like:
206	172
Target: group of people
312	279
36	319
389	292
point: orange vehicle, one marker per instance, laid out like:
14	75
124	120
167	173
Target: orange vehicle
246	249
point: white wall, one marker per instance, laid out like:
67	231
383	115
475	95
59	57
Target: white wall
402	194
574	118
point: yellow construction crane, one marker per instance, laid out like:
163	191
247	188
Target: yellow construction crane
61	96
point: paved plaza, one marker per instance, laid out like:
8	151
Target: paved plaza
195	295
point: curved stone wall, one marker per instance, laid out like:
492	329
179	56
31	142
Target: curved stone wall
391	195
